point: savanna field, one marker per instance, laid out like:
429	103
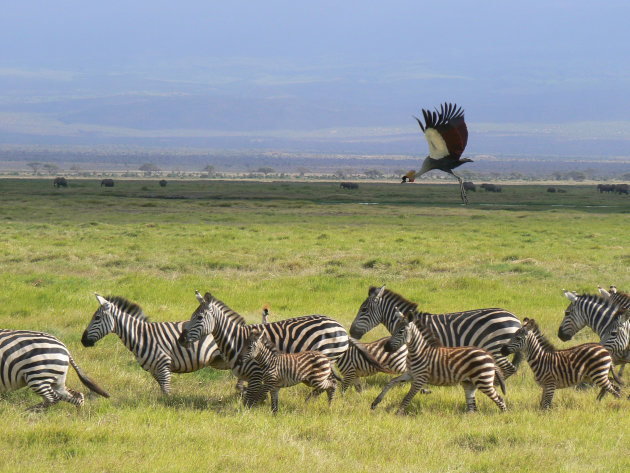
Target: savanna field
303	248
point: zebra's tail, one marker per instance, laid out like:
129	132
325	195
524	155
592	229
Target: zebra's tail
368	357
499	376
91	385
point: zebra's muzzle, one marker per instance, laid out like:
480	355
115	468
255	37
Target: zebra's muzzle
564	336
87	342
183	339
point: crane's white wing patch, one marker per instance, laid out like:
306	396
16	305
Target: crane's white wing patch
437	145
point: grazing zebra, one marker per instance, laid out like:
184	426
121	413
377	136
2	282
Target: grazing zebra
154	344
430	363
556	369
597	313
282	370
489	329
367	359
309	332
40	361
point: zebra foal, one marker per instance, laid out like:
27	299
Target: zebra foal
282	370
154	344
557	369
430	363
40	361
488	328
306	333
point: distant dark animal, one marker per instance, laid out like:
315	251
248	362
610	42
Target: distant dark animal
40	361
446	132
605	188
621	189
556	369
491	187
107	183
163	183
60	182
469	186
551	189
349	185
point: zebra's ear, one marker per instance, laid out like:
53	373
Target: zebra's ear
603	292
101	300
207	296
199	297
380	292
572	296
613	289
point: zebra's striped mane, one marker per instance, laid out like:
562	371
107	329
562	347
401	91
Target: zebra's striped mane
542	339
411	310
617	306
231	314
130	308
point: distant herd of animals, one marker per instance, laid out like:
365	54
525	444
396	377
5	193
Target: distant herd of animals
470	348
467	186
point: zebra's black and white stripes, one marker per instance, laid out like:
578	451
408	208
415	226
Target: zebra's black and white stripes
489	328
306	333
599	314
556	369
430	363
367	359
282	370
40	361
154	344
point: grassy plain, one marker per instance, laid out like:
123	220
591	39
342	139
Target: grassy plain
303	248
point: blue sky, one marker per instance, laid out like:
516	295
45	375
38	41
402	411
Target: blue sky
352	69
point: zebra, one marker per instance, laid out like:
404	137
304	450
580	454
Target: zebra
363	359
154	344
557	369
367	359
40	361
282	370
484	328
429	362
597	313
309	332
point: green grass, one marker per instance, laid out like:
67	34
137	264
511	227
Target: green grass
302	248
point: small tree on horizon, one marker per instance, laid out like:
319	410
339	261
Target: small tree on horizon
34	166
51	168
149	168
266	170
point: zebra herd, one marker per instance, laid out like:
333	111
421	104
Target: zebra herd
470	348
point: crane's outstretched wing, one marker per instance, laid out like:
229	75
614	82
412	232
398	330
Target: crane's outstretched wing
445	130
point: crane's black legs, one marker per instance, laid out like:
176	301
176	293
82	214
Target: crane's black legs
461	187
